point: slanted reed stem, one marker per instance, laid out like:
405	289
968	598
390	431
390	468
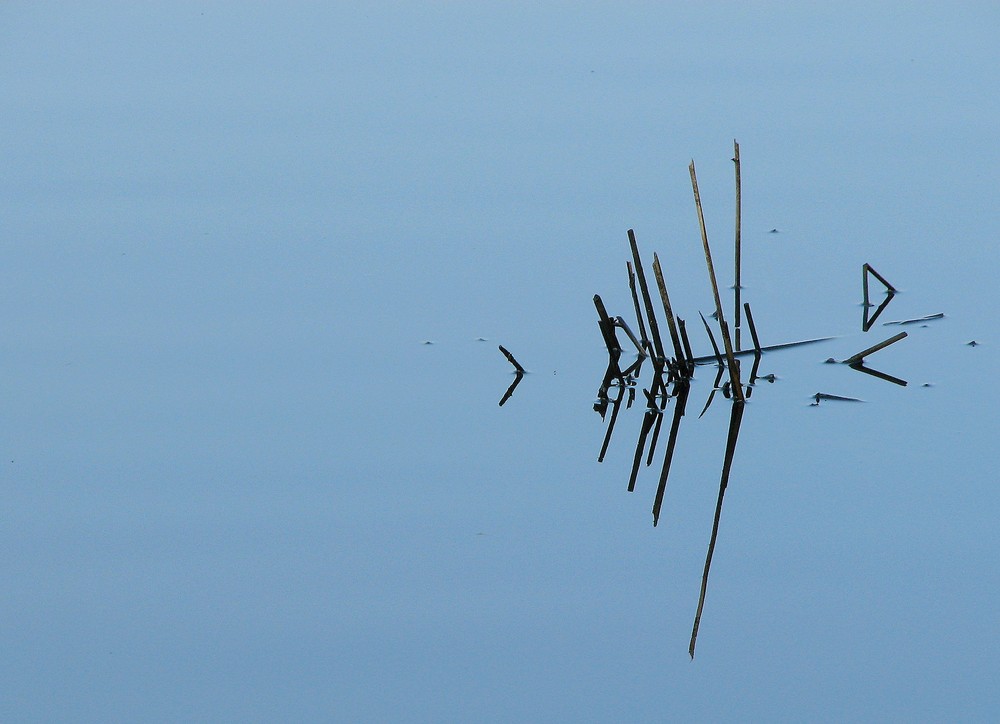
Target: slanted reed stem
854	359
726	339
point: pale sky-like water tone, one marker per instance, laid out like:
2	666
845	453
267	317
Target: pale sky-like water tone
237	485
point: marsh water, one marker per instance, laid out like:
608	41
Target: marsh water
256	267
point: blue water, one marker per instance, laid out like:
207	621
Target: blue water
237	484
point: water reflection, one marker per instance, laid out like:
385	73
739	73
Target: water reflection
671	380
518	375
672	365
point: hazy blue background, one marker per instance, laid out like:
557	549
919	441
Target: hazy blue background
236	485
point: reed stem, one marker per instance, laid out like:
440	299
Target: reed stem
726	339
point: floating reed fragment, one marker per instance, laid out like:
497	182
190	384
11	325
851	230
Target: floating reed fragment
836	398
928	318
854	359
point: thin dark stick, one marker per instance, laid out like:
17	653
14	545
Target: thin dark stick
711	395
518	376
918	320
753	370
736	160
638	311
674	337
510	358
656	434
682	389
747	352
876	373
611	423
726	340
687	345
871	350
653	327
711	338
734	432
757	356
607	325
640	445
753	328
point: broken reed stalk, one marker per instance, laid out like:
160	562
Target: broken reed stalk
726	339
855	359
607	327
753	329
687	344
734	432
631	335
757	355
736	160
510	358
647	300
864	285
671	324
711	338
638	312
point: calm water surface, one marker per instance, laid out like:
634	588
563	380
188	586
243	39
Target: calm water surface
238	484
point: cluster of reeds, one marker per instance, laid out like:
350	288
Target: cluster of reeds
674	366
